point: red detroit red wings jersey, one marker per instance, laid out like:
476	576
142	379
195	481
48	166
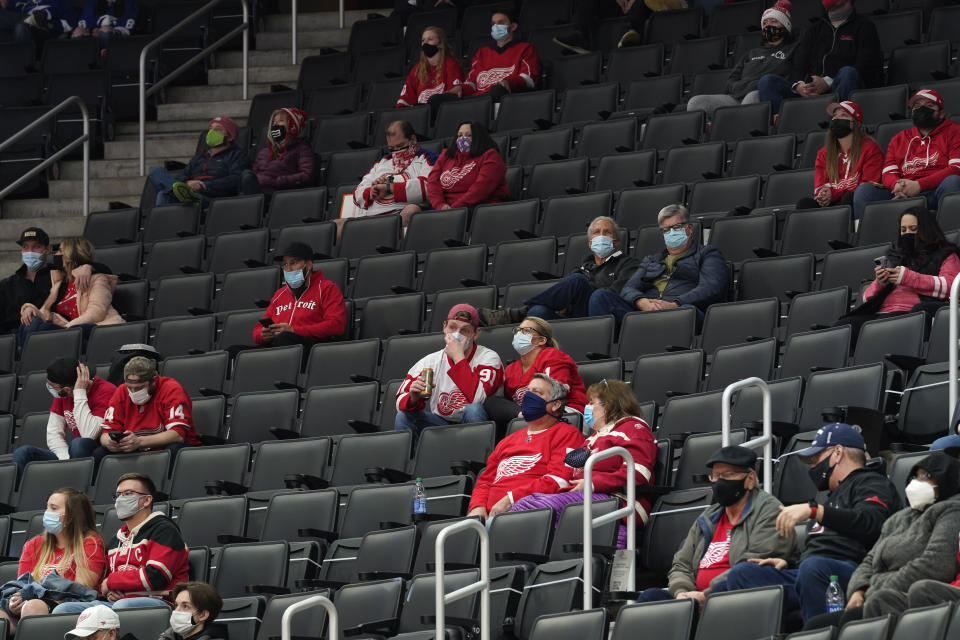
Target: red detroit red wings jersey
469	381
517	63
554	363
169	408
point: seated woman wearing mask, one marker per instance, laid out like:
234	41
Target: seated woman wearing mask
613	417
848	158
287	161
196	606
468	172
916	543
914	276
539	353
437	75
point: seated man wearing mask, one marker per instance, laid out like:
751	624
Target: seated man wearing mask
607	267
95	623
145	558
685	274
146	413
530	460
839	533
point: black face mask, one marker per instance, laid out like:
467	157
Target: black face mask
923	117
840	128
58	262
727	492
774	33
429	50
820	474
907	242
278	133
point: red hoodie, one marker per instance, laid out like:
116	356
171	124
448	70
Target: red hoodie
465	181
517	63
868	169
437	83
927	159
318	314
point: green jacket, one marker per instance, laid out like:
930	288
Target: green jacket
753	536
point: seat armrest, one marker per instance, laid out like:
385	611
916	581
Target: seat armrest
284	434
257	589
462	467
300	480
362	426
377	475
225	487
328	536
535	558
226	538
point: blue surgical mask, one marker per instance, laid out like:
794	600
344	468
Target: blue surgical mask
588	415
602	246
294	278
52	522
32	259
499	31
53	391
675	238
522	343
459	337
533	407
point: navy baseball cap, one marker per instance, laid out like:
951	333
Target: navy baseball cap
831	435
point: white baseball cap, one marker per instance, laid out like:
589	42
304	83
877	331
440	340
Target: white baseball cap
92	620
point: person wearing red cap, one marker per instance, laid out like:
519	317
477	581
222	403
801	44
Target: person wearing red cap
849	158
923	160
287	160
214	172
464	375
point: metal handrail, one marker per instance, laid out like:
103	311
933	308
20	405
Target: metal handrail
954	290
482	585
159	84
589	522
766	440
333	626
84	139
293	27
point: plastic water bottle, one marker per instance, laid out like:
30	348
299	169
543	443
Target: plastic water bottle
835	599
419	498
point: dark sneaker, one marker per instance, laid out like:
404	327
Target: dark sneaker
572	42
508	315
630	39
183	192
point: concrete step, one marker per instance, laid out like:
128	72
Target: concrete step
215	93
42	212
283	74
100	169
273	58
169	147
305	38
115	188
203	110
316	20
168	126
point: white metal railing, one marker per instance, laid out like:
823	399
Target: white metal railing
83	139
766	440
589	522
293	27
954	290
333	621
161	83
442	599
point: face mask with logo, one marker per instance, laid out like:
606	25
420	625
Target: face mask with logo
294	278
429	50
840	128
52	522
139	397
182	622
32	259
820	474
404	155
463	144
675	238
278	133
499	31
532	407
588	418
774	34
127	506
215	138
522	343
602	246
923	118
920	494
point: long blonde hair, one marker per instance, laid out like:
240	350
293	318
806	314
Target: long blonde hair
76	251
423	66
78	525
833	150
545	330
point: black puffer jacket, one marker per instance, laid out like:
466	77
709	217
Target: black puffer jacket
823	50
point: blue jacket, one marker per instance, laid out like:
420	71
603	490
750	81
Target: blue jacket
699	278
53	586
61	14
122	13
221	172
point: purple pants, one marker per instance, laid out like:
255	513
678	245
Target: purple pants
557	501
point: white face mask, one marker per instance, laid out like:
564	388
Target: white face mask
182	622
139	397
459	337
920	494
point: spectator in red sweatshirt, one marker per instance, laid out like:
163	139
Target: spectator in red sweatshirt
436	77
923	160
468	172
849	158
287	161
510	65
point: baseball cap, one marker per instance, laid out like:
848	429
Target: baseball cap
92	620
465	313
926	94
143	368
299	250
850	107
735	456
833	434
34	233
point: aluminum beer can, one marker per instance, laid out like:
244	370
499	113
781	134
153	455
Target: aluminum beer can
427	376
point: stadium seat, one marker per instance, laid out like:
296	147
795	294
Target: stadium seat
802	115
669	620
362	236
251	564
735	362
782	277
327	410
185	336
167	257
808	351
106	339
693	163
670	520
694	413
665	131
851	267
355	453
786	187
176	295
639	207
900	335
105	228
385	316
558	178
564	73
522	111
661	375
647	333
170	221
646	94
43	347
736	322
236	327
866	629
858	386
544	146
233	214
898	28
784	396
515	260
881	104
201	520
368	506
746	613
122	259
762	155
193	467
40	479
811	230
256	413
588	104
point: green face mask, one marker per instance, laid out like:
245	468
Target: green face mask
215	138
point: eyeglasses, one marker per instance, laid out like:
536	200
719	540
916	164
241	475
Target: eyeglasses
727	475
923	475
527	330
676	227
127	494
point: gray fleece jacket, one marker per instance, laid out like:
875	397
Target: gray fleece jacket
753	536
913	545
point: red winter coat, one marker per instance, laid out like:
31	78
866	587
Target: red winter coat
416	93
868	169
517	63
465	181
292	168
927	159
318	314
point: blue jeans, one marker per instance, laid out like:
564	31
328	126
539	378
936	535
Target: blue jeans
571	294
162	181
417	421
774	88
78	448
126	603
100	451
868	193
605	302
24	330
805	587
